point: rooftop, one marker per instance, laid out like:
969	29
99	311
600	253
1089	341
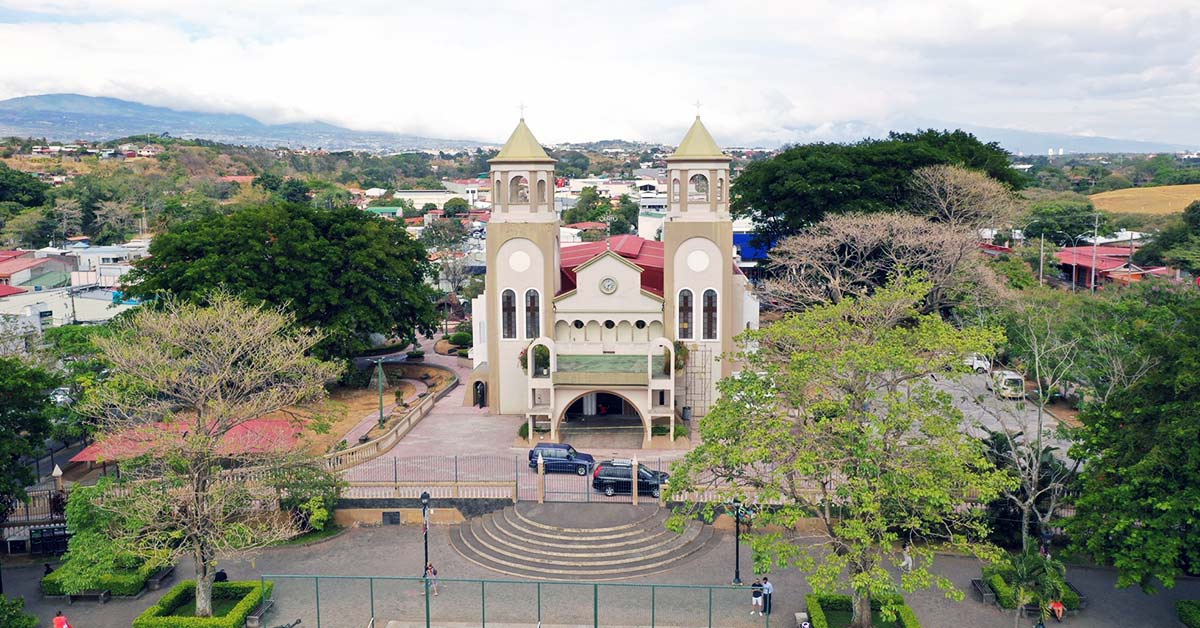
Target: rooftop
522	146
698	144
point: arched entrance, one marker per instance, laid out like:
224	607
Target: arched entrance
604	417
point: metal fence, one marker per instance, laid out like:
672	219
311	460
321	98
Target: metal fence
348	601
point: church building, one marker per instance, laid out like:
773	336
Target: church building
624	329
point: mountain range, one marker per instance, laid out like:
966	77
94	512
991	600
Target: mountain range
70	117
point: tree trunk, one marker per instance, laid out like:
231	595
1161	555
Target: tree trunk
1025	528
204	581
860	609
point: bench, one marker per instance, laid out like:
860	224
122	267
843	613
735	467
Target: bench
155	582
984	590
254	619
100	595
1083	600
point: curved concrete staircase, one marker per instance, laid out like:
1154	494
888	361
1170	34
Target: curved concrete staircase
566	541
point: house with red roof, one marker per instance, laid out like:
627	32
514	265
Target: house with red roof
1104	265
596	333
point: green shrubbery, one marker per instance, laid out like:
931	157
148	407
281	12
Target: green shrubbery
1189	612
127	580
817	604
13	615
999	577
249	592
416	355
464	353
461	339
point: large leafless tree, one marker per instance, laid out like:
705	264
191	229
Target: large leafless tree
852	255
962	198
186	378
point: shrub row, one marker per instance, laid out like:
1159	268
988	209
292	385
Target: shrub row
124	582
417	354
460	338
249	591
464	353
997	577
818	603
1189	612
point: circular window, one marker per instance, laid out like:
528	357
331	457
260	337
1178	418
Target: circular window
578	324
640	324
609	324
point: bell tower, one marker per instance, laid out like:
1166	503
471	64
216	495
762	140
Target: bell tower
522	263
698	261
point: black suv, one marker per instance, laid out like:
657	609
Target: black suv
561	457
612	477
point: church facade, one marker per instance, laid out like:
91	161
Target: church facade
622	329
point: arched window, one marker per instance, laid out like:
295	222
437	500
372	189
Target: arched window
533	312
685	314
518	190
542	196
675	190
498	191
698	188
709	311
508	314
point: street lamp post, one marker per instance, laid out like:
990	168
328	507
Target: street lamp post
737	541
379	377
425	565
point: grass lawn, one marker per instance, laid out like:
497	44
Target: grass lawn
220	607
840	619
1163	199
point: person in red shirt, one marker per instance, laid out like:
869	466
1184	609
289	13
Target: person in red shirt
1058	609
60	620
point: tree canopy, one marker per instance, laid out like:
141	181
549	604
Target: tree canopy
835	417
18	187
802	184
1140	500
342	271
25	415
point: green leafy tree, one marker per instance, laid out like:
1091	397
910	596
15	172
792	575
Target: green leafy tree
444	235
294	191
456	207
802	184
835	417
342	271
1063	218
18	187
1035	578
25	415
269	182
590	207
1140	499
13	615
625	217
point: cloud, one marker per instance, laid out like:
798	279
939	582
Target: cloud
766	72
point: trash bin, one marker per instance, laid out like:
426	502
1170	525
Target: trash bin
687	413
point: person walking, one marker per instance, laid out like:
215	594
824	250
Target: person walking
907	563
431	574
60	620
756	597
768	592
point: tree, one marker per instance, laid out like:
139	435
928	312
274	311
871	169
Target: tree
959	197
801	185
196	374
68	216
24	423
1035	577
590	207
834	416
625	217
32	228
428	207
18	187
342	271
269	182
113	218
294	191
456	207
444	235
330	197
852	255
1063	218
1140	497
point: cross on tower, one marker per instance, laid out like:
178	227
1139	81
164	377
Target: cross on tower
697	103
522	108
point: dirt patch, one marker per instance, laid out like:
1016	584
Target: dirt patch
437	379
1065	414
444	347
344	409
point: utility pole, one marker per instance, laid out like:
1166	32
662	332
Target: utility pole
1095	236
1041	257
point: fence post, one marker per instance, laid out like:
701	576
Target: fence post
317	585
653	590
395	470
709	607
539	595
483	603
456	468
372	589
596	605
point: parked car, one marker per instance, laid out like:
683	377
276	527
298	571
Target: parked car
613	476
978	363
561	457
1007	385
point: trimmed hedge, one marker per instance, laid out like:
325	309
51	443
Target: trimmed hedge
417	354
996	576
460	338
126	582
818	603
1189	612
464	353
251	595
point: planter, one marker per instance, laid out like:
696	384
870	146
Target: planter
249	596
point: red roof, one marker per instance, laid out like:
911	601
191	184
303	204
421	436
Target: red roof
1084	260
1110	251
586	226
647	254
7	255
16	265
8	291
256	436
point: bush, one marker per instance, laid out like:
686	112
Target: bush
464	353
997	577
416	355
461	339
523	431
127	581
1189	612
1006	597
463	326
13	615
818	603
249	591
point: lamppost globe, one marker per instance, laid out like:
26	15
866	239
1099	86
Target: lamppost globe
424	498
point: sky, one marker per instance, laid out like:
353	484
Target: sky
763	73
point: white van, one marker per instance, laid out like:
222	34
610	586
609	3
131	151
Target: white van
978	363
1007	385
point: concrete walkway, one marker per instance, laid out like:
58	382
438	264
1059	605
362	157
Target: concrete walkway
372	419
398	551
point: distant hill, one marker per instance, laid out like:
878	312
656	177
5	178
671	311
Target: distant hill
69	117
